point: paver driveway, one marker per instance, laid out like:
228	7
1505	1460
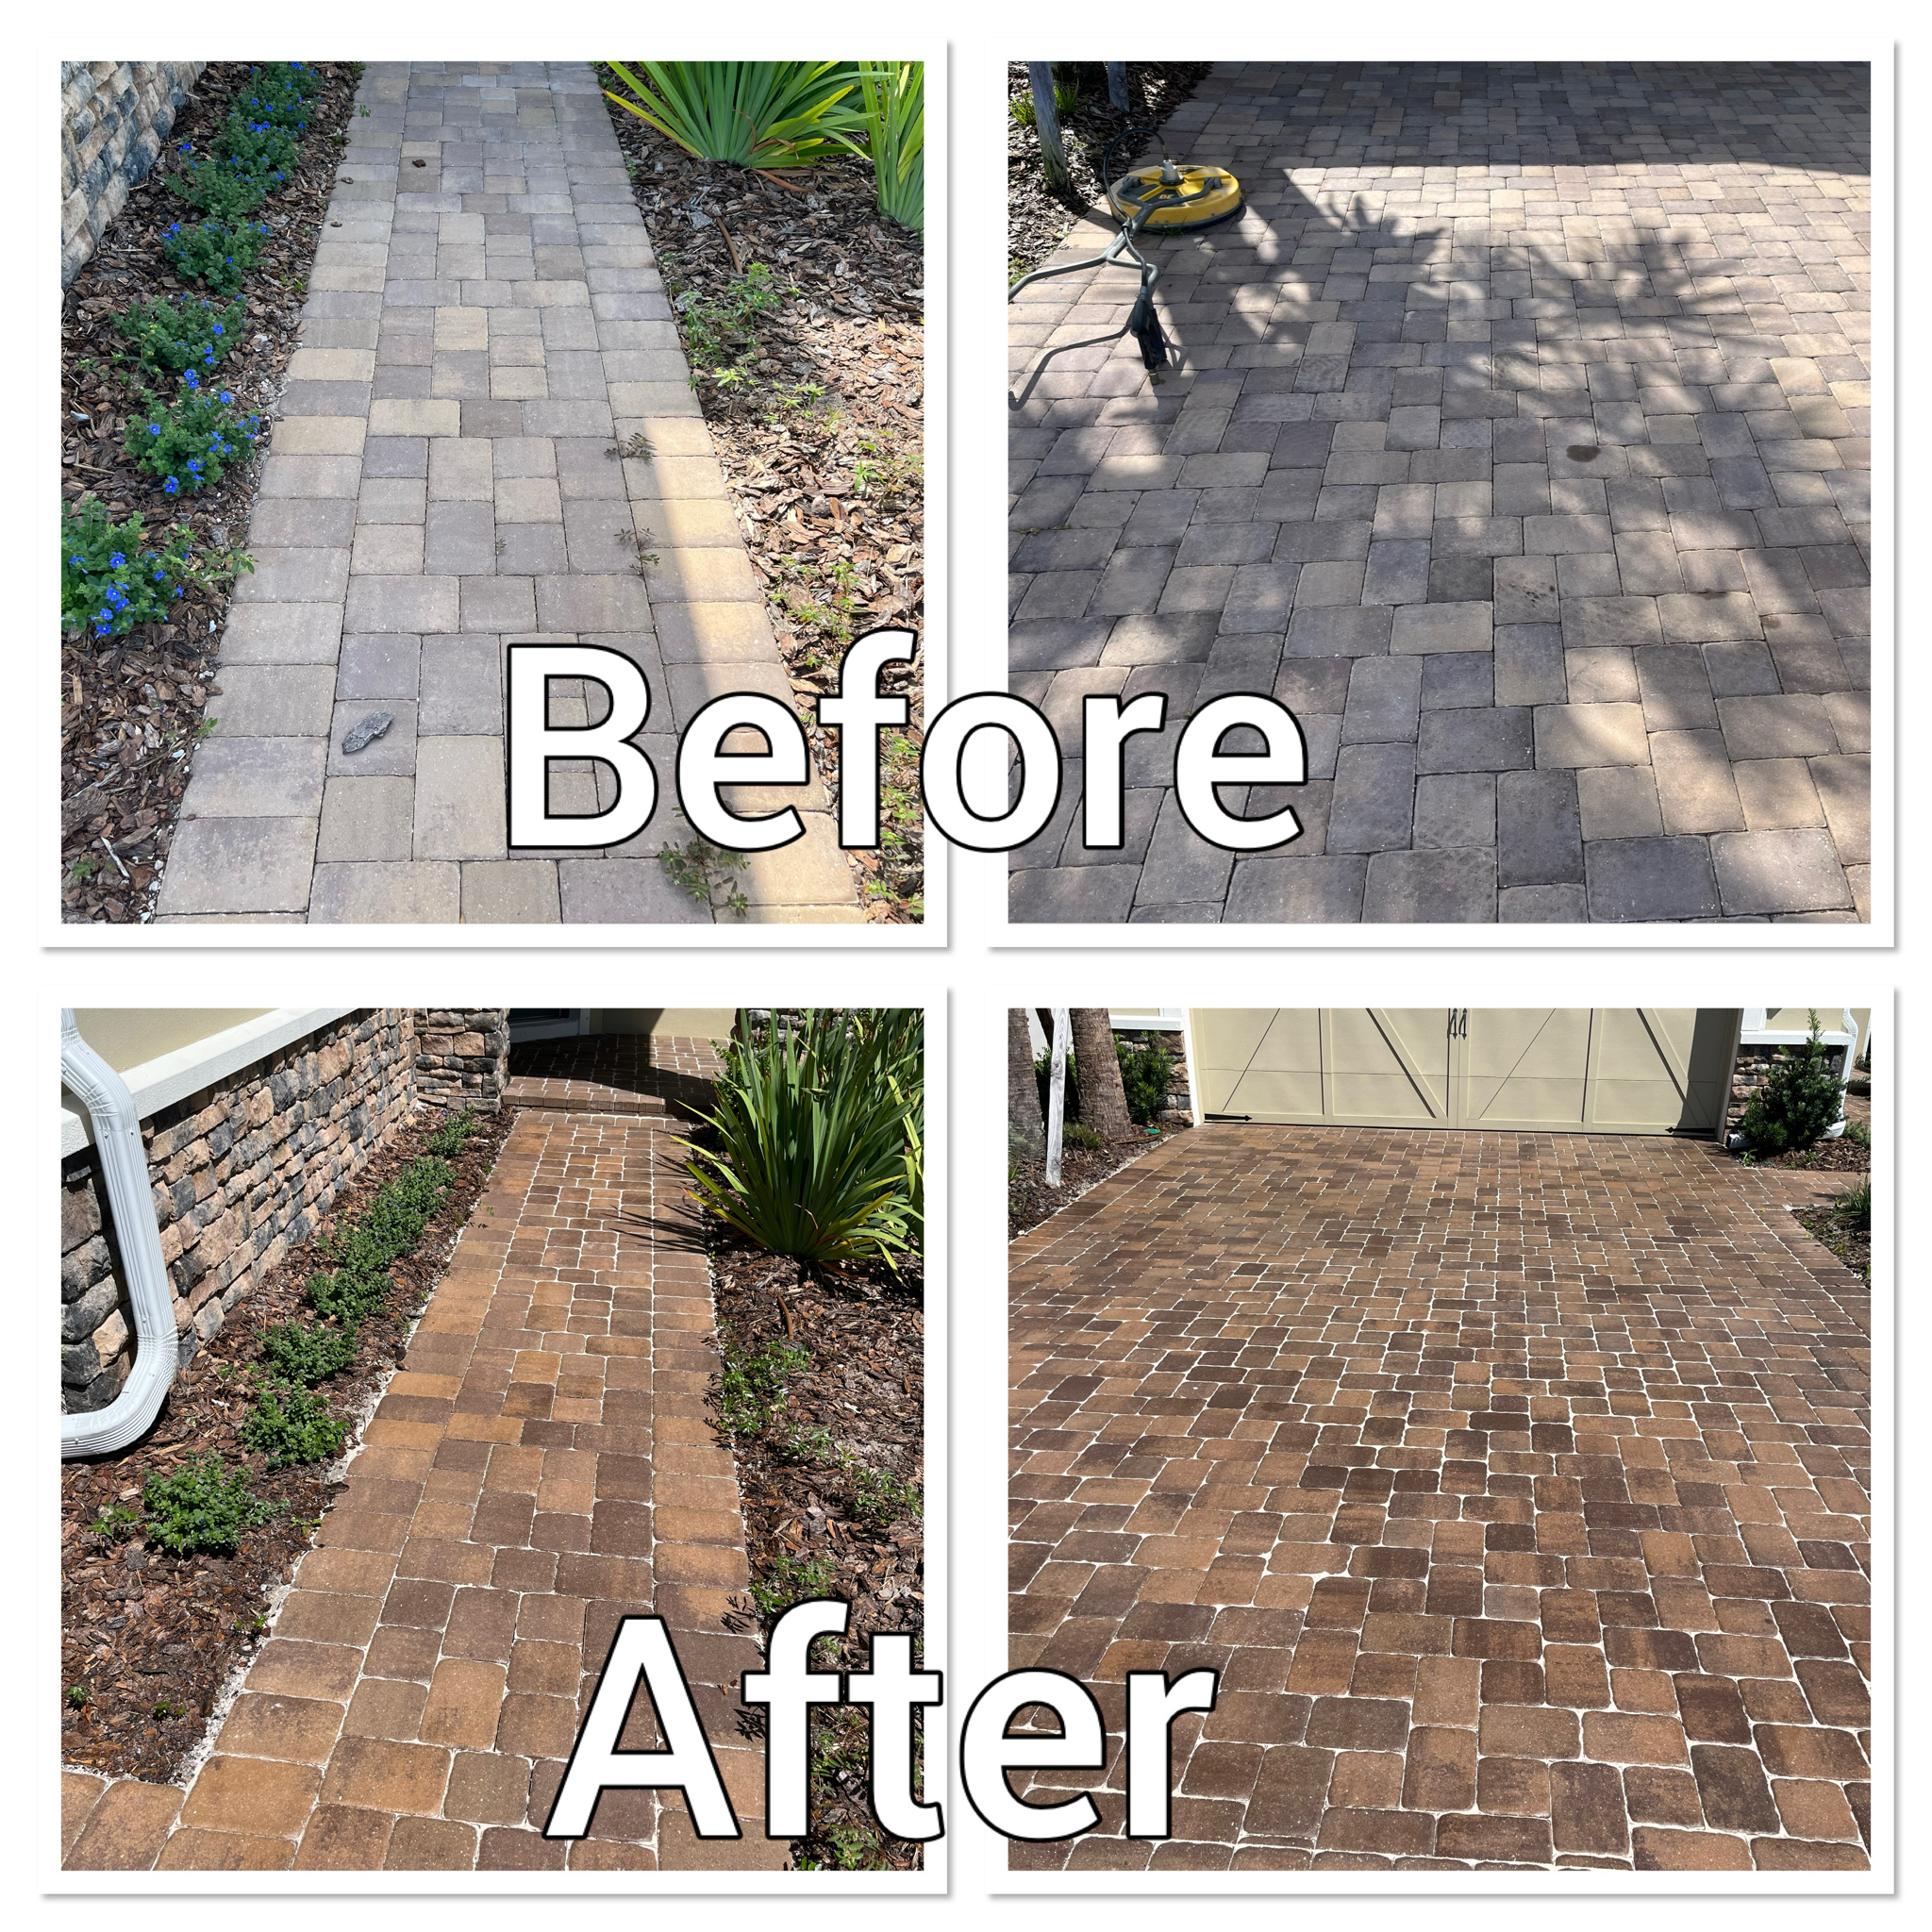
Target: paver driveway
485	326
1520	447
542	1466
1515	1484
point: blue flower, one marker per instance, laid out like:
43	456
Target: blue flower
227	396
117	560
219	329
172	487
194	464
154	428
104	617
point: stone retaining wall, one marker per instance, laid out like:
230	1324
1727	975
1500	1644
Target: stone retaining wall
463	1057
241	1172
114	116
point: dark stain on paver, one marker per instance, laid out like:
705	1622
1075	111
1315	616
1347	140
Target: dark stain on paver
1536	1534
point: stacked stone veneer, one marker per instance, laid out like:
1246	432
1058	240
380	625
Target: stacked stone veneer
1754	1069
114	116
243	1171
1179	1105
463	1057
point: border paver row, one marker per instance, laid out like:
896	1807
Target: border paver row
486	325
1520	446
542	1466
1516	1484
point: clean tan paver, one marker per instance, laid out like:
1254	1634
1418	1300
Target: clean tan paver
1551	375
486	325
421	1685
1516	1484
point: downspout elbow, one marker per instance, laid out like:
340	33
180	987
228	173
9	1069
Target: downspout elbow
116	1124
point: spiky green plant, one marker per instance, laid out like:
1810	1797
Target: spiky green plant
893	98
757	113
813	1138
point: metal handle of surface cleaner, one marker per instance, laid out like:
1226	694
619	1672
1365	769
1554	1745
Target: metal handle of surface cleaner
1142	320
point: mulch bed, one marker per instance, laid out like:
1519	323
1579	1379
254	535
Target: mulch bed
132	708
1030	1201
865	1334
1038	219
1847	1238
141	1628
828	488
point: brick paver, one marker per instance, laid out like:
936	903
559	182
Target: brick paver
485	326
1516	1484
615	1073
542	1466
1520	446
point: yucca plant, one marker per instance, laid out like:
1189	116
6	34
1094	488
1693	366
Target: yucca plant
811	1153
893	98
757	114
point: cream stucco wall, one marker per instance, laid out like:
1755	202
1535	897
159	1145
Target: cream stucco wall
131	1036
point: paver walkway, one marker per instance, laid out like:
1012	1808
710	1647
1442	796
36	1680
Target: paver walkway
662	1077
1520	447
1515	1483
485	326
542	1466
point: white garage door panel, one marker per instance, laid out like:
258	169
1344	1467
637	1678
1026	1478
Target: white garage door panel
1549	1069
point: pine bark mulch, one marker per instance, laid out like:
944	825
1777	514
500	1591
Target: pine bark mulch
1030	1201
154	1638
133	708
865	1389
820	433
1037	221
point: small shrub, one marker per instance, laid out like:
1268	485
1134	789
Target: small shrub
453	1135
107	579
174	333
1799	1100
289	1426
1858	1133
791	1582
1854	1207
217	255
1146	1071
302	1354
219	192
191	441
1078	1134
345	1297
751	1388
883	1498
203	1506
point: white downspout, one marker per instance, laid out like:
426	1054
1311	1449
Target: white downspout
131	1205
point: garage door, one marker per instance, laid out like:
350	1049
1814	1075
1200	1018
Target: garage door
1627	1070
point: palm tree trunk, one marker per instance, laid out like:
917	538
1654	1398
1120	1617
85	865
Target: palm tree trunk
1046	124
1027	1128
1103	1095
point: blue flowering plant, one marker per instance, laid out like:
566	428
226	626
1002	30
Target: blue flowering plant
109	579
217	255
188	442
172	334
219	190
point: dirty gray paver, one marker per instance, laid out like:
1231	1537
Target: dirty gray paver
1547	379
1517	1485
485	321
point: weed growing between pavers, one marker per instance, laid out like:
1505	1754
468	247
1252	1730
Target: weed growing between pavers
133	703
148	1622
814	404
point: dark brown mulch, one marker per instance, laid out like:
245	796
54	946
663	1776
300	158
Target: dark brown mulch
865	1387
1030	1201
141	1628
1038	219
132	708
1847	1236
827	486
